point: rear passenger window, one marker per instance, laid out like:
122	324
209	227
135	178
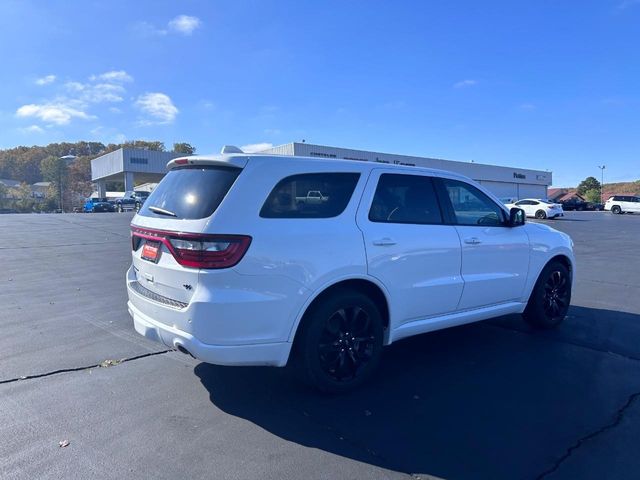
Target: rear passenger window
310	195
405	199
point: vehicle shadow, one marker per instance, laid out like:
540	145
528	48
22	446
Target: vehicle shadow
488	400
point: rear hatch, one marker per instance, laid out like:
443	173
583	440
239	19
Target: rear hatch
167	240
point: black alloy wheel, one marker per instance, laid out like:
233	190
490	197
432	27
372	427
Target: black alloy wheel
346	344
340	342
541	215
551	297
616	210
556	294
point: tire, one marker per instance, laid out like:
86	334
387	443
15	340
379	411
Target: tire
137	209
340	343
550	298
119	208
541	215
616	210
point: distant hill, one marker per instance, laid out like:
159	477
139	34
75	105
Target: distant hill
621	188
609	189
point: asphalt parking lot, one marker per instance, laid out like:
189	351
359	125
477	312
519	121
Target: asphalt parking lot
486	401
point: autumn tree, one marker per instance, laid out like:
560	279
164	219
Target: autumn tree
56	171
24	200
79	180
184	148
4	192
144	145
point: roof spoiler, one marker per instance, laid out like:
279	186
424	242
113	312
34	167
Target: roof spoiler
230	149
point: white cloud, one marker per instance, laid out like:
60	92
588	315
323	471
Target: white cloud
184	24
52	113
207	104
106	87
158	106
104	92
527	106
96	93
465	83
272	131
146	29
46	80
115	110
256	147
32	129
114	76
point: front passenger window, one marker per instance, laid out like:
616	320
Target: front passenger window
471	206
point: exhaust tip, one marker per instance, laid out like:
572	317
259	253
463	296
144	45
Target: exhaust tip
181	349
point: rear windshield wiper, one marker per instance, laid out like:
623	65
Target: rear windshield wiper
161	211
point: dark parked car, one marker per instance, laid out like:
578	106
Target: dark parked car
574	204
93	205
599	207
131	201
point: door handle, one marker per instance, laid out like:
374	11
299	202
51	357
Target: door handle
472	241
384	242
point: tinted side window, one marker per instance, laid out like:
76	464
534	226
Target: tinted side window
310	195
471	206
405	199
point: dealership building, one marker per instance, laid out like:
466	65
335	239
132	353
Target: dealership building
133	166
504	182
130	166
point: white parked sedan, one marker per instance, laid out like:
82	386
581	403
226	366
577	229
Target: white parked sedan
538	208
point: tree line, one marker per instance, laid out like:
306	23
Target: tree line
70	179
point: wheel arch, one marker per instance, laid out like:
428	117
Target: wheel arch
561	257
366	285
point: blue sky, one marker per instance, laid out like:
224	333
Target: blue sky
537	84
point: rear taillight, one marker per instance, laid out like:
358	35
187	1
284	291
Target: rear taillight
197	250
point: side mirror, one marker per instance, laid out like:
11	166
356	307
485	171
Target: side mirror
516	217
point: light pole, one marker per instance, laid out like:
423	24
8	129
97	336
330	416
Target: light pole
601	167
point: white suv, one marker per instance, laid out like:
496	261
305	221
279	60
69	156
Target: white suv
623	204
229	267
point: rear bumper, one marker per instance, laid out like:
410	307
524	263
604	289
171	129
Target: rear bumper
273	354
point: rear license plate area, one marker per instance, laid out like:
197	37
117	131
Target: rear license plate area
151	251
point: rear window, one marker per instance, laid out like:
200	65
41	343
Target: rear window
189	192
310	195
